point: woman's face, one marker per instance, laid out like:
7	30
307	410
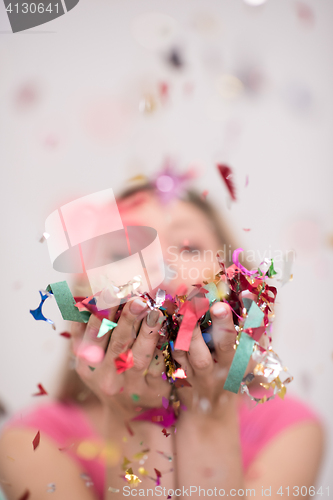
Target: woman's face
187	238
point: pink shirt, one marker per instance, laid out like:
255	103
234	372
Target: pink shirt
65	423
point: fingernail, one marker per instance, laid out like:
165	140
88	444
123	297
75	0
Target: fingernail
152	318
220	310
137	306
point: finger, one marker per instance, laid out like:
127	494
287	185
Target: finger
126	329
77	332
182	358
93	347
199	356
224	333
144	346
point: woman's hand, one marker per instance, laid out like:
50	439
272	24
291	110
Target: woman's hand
206	372
140	386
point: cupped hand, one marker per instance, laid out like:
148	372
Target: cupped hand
141	385
207	372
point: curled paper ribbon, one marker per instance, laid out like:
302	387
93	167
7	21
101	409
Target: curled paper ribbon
87	235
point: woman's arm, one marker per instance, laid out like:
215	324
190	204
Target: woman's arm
209	457
209	453
24	469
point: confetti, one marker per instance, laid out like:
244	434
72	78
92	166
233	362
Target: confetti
91	353
51	487
105	327
87	479
38	314
227	176
131	478
165	432
41	392
36	440
143	471
25	495
44	237
160	416
158	476
67	335
124	361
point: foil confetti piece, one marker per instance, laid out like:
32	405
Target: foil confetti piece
38	314
124	361
51	487
105	327
131	478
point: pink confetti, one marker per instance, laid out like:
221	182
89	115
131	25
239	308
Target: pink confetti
161	416
235	259
165	402
91	353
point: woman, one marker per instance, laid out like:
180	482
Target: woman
218	444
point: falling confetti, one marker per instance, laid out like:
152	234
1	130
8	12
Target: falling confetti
131	478
44	237
36	440
37	313
67	335
124	361
158	477
51	487
25	495
165	432
227	176
87	479
42	391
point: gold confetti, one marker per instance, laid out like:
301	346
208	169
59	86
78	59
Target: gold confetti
131	478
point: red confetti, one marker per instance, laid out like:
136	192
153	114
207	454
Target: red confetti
158	476
36	440
66	335
130	431
204	194
42	391
124	361
227	176
25	495
246	229
165	432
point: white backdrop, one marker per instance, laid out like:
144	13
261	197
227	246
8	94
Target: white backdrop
71	125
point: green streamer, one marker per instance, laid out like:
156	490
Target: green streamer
66	303
239	363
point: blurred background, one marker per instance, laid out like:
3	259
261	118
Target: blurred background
109	91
